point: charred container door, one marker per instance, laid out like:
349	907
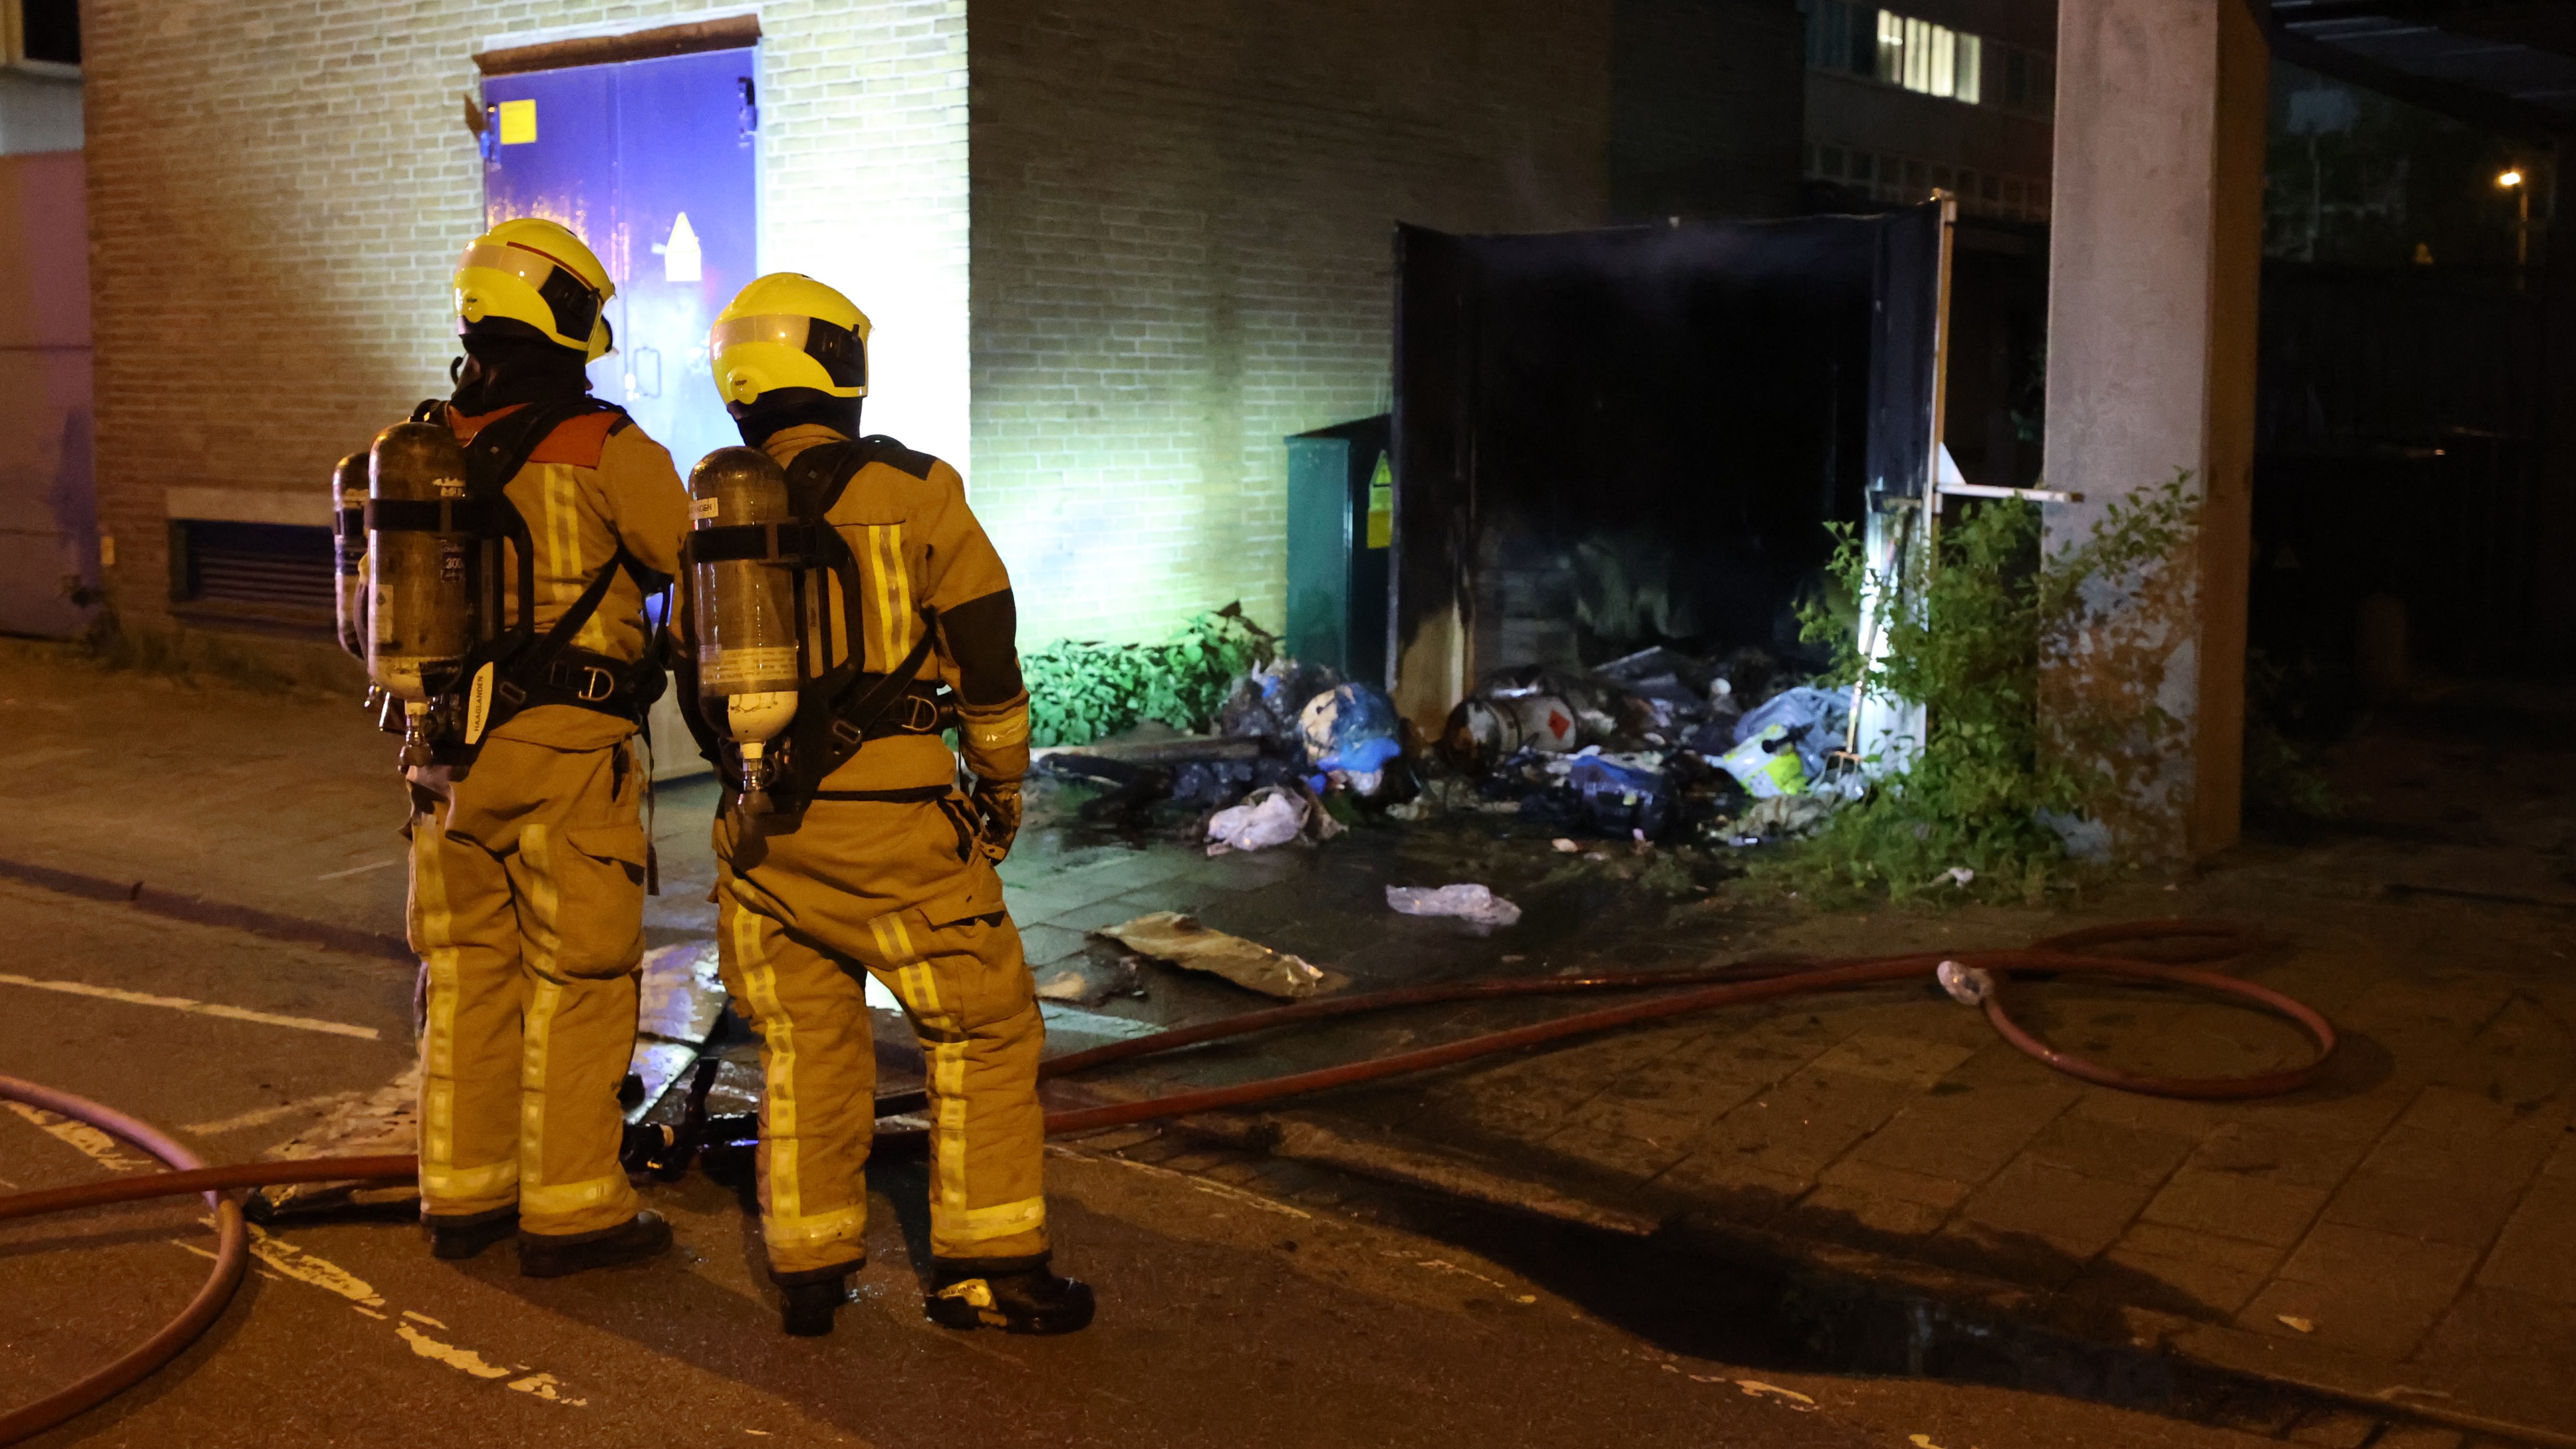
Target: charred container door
1612	439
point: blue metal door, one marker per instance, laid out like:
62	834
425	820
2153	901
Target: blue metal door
653	162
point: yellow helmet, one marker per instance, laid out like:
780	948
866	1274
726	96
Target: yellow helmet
538	273
788	330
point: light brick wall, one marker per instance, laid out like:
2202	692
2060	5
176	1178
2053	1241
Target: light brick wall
278	193
1183	237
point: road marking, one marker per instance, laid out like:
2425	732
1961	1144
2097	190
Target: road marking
1205	1185
314	1270
544	1386
449	1354
358	869
201	1008
91	1142
1756	1389
262	1116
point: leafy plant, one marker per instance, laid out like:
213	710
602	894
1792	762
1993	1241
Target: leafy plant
1997	779
1080	690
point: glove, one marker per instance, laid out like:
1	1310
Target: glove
997	806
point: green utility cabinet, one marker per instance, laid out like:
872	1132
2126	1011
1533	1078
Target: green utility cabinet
1341	520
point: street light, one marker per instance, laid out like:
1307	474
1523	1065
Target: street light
2511	179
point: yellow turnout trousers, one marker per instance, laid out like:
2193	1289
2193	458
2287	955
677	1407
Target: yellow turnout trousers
527	910
882	887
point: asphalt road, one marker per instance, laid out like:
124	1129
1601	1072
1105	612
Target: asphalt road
1227	1318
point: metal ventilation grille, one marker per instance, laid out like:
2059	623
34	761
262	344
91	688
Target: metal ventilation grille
273	566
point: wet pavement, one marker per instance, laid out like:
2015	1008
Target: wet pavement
2384	1240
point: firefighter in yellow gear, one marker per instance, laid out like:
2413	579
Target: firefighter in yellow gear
886	867
528	864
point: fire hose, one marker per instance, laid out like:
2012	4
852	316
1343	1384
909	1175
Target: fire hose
1972	977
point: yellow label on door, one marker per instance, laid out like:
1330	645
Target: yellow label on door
1381	505
518	122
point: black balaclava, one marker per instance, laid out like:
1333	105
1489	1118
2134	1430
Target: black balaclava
782	408
505	367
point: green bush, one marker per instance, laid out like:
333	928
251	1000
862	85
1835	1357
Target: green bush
1964	638
1080	690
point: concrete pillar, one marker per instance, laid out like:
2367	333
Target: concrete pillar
2155	257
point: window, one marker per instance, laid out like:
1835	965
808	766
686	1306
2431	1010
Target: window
1929	59
46	32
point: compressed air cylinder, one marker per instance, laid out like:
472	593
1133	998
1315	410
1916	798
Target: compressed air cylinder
745	608
421	602
349	549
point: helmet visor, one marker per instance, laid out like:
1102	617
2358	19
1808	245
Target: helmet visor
574	305
843	357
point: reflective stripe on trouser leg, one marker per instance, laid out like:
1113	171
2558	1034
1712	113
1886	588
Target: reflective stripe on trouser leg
986	1138
818	1103
467	938
578	1037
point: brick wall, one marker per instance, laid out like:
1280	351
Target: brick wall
1179	252
279	193
1183	230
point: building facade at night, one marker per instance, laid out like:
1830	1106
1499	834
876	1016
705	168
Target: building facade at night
1114	253
1953	95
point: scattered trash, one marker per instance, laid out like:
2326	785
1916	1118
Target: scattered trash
1351	737
1179	940
1957	875
1815	721
1268	817
1621	798
1784	815
2303	1325
1473	903
1767	765
1085	983
1267	700
2088	840
1481	732
1565	846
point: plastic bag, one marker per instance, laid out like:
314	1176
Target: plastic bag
1473	903
1814	719
1767	765
1265	700
1351	735
1273	816
1622	799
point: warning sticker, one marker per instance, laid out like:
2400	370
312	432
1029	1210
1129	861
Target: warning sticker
518	122
702	509
1381	505
769	668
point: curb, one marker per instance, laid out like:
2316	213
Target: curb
1873	1313
204	912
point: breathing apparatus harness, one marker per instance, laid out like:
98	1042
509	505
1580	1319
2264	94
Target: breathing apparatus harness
838	707
513	667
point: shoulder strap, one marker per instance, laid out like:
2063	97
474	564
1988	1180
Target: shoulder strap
817	478
893	454
502	448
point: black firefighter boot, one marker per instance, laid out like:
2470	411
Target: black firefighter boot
463	1235
1016	1295
807	1300
552	1255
